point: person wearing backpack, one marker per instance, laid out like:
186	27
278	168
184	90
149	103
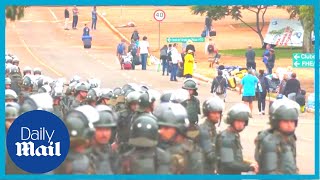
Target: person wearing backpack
133	49
219	86
164	59
121	50
262	93
135	36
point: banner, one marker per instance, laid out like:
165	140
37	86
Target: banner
285	32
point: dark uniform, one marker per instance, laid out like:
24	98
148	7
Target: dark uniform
186	157
104	158
146	102
77	122
145	157
192	105
276	151
208	133
229	148
82	86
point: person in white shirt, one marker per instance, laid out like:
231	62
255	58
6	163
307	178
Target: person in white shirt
176	59
144	51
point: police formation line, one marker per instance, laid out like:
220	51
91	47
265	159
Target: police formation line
136	130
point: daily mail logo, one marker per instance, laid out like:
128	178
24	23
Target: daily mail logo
28	148
38	141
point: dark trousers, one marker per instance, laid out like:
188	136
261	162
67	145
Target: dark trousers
269	70
188	76
251	65
262	101
164	64
173	75
74	21
94	24
144	61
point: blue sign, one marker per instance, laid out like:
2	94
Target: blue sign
38	141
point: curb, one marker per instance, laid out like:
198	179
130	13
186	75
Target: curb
112	28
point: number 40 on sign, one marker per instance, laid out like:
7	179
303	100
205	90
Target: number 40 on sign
159	15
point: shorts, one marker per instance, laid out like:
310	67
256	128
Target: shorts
248	98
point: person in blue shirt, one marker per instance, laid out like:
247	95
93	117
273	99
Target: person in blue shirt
86	30
94	18
248	85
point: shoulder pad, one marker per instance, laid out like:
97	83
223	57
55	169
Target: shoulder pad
163	157
262	134
227	139
123	113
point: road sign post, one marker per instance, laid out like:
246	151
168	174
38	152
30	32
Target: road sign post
159	15
185	39
303	60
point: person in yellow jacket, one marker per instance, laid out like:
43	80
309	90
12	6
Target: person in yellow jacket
188	64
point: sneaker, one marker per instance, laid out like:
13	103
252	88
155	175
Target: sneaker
259	113
263	113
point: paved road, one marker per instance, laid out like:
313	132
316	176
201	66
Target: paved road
40	41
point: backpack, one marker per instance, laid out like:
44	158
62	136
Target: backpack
134	50
210	48
220	88
120	48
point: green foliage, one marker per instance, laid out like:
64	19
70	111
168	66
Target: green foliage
220	12
15	12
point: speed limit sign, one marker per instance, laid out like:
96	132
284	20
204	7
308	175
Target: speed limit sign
159	15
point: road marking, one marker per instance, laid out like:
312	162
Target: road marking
52	13
37	59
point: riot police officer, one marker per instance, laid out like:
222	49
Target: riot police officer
118	99
145	157
276	147
105	97
229	149
192	105
92	97
104	158
81	91
12	112
147	101
78	122
212	109
27	71
10	95
124	122
187	157
16	79
27	90
57	95
8	83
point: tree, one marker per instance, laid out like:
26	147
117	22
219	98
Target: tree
15	12
306	17
219	12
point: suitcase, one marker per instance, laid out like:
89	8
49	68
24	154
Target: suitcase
213	33
136	60
87	41
127	66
